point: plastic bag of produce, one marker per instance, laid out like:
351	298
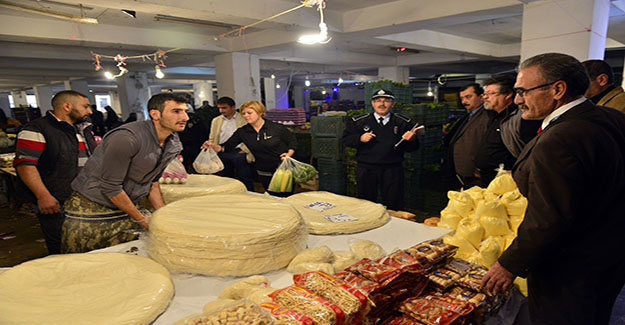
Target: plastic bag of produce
502	183
471	230
461	202
302	172
174	172
207	162
282	180
491	208
490	251
449	219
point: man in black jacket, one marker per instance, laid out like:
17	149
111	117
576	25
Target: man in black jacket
570	244
375	135
49	153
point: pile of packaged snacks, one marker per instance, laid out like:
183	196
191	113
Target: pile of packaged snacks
322	311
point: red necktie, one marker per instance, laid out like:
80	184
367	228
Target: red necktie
539	130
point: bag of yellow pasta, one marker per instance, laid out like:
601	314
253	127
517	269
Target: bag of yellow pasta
502	183
449	219
471	230
460	202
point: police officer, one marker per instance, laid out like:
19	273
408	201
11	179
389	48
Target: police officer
375	136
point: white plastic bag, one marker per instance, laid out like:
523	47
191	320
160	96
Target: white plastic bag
174	172
207	162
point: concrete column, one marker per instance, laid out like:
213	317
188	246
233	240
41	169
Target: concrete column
80	86
19	98
282	96
115	103
395	73
238	76
270	92
299	97
5	105
574	27
44	98
153	90
133	94
203	90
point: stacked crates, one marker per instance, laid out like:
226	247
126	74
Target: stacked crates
327	149
402	92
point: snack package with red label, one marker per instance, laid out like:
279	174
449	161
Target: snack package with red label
400	320
450	303
333	289
374	271
362	284
285	316
427	255
427	312
442	246
468	295
459	266
402	261
443	278
323	312
473	279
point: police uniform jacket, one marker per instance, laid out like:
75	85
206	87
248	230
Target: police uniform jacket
381	149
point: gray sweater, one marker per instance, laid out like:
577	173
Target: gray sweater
129	158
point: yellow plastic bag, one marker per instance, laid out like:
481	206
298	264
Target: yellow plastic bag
449	219
502	183
490	251
501	240
491	208
515	222
476	258
461	202
509	240
516	207
476	193
495	226
488	195
465	249
521	284
471	230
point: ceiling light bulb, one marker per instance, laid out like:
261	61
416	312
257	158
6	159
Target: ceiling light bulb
322	37
277	85
159	73
108	75
340	80
130	13
273	76
323	92
307	83
430	93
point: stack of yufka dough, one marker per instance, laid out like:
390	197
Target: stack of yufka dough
199	185
226	235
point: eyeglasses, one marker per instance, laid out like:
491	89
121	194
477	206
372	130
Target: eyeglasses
489	94
522	91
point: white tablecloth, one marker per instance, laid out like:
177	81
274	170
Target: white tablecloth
194	291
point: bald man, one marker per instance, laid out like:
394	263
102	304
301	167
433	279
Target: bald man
50	152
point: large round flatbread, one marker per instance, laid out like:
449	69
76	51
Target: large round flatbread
328	213
226	235
99	288
200	185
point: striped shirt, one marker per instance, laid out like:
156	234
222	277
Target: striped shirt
31	145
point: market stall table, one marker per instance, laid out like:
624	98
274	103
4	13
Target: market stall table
194	291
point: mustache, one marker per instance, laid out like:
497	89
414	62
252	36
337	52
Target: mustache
523	106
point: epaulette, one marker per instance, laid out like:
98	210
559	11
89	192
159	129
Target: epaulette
403	117
360	117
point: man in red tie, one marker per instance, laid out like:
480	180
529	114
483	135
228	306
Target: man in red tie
569	245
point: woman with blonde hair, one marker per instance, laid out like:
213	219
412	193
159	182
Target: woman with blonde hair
268	141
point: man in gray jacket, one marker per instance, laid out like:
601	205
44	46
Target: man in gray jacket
124	168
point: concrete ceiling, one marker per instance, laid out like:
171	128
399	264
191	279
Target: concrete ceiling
37	49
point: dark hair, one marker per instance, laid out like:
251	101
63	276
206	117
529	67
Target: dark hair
558	66
226	101
476	88
64	96
504	81
157	101
599	67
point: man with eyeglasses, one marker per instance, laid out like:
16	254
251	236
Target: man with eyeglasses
464	139
506	134
602	90
569	245
375	136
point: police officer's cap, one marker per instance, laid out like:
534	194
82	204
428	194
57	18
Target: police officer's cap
382	93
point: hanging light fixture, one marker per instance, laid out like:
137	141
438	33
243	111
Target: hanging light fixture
307	82
273	76
430	93
322	36
108	75
159	73
278	85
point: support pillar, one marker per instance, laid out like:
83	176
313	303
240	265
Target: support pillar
270	92
19	98
574	27
238	76
5	104
133	94
203	90
44	98
80	86
282	96
395	73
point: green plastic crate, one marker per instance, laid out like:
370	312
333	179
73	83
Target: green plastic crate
327	148
327	126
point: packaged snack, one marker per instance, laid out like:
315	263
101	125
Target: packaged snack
240	313
443	278
285	316
473	279
343	259
459	266
427	312
402	261
322	311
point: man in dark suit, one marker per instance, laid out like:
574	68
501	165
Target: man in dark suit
570	244
465	138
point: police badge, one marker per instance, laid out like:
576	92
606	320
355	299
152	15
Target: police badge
395	129
366	128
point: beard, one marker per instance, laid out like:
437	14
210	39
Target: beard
76	117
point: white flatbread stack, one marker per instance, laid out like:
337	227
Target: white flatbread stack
98	288
328	213
226	235
199	185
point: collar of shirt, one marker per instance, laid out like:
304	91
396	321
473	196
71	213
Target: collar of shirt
473	112
234	117
385	120
561	110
